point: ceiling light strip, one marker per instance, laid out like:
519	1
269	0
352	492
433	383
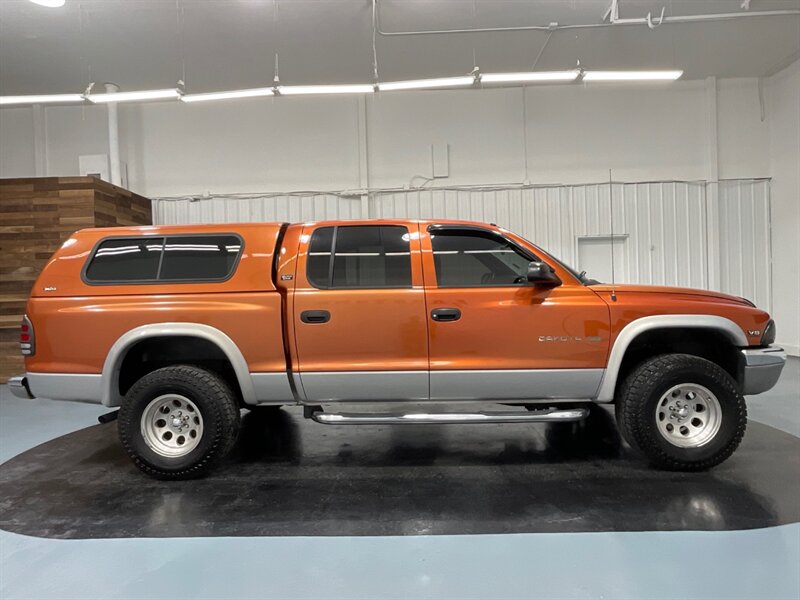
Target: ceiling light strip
356	88
532	76
207	97
50	3
168	94
423	84
631	75
41	99
301	90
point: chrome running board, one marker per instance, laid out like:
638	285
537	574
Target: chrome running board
536	416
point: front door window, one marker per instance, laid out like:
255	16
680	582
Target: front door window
465	258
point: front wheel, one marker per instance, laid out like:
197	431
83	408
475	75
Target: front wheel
176	422
683	412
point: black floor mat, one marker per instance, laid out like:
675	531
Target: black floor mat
290	476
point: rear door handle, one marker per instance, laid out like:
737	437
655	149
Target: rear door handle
445	314
315	316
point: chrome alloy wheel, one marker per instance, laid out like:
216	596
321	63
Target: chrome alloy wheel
688	415
172	426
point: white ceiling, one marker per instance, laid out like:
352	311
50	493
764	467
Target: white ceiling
231	44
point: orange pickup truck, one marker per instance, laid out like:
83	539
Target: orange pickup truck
181	327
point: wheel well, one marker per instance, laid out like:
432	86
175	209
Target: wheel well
706	343
162	351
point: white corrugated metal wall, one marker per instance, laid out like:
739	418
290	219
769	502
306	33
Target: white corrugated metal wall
744	239
271	207
664	224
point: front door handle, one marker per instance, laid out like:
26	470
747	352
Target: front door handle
315	316
445	314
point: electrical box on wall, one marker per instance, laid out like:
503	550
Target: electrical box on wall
97	165
440	159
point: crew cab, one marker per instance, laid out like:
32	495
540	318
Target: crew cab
181	327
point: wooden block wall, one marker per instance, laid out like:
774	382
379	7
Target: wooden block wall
36	216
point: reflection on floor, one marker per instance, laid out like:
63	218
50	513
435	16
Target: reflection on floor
388	481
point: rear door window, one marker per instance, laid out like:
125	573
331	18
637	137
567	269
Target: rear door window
360	256
318	265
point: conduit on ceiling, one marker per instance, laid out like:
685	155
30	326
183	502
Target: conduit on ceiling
610	19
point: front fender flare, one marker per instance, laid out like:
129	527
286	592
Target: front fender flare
635	328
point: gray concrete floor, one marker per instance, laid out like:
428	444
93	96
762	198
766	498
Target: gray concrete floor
762	563
780	407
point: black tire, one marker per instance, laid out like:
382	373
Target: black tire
644	391
212	398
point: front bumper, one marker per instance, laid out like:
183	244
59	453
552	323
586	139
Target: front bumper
19	387
761	368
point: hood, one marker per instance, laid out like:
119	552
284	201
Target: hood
663	289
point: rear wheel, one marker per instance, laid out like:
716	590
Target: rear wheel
176	422
683	412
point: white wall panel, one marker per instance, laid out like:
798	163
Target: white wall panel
783	114
575	133
663	225
745	240
316	207
16	143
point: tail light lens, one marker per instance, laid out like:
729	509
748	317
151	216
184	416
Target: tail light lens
769	334
27	340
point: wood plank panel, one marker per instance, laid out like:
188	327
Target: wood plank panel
36	215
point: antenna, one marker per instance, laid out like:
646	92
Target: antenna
611	211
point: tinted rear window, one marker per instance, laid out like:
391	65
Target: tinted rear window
126	260
196	258
171	259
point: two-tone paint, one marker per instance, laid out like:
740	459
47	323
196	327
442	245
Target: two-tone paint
511	343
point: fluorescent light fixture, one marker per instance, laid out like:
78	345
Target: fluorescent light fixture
529	76
170	94
422	84
252	93
42	99
631	75
50	3
298	90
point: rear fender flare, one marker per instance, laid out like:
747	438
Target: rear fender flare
118	351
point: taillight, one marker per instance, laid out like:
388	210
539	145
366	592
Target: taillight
769	334
26	338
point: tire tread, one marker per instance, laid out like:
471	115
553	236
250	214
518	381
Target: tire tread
636	427
225	405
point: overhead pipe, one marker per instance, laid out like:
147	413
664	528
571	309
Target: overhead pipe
612	15
698	18
113	137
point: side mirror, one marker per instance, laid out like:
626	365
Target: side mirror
540	273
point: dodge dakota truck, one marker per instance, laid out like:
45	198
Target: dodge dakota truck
182	327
